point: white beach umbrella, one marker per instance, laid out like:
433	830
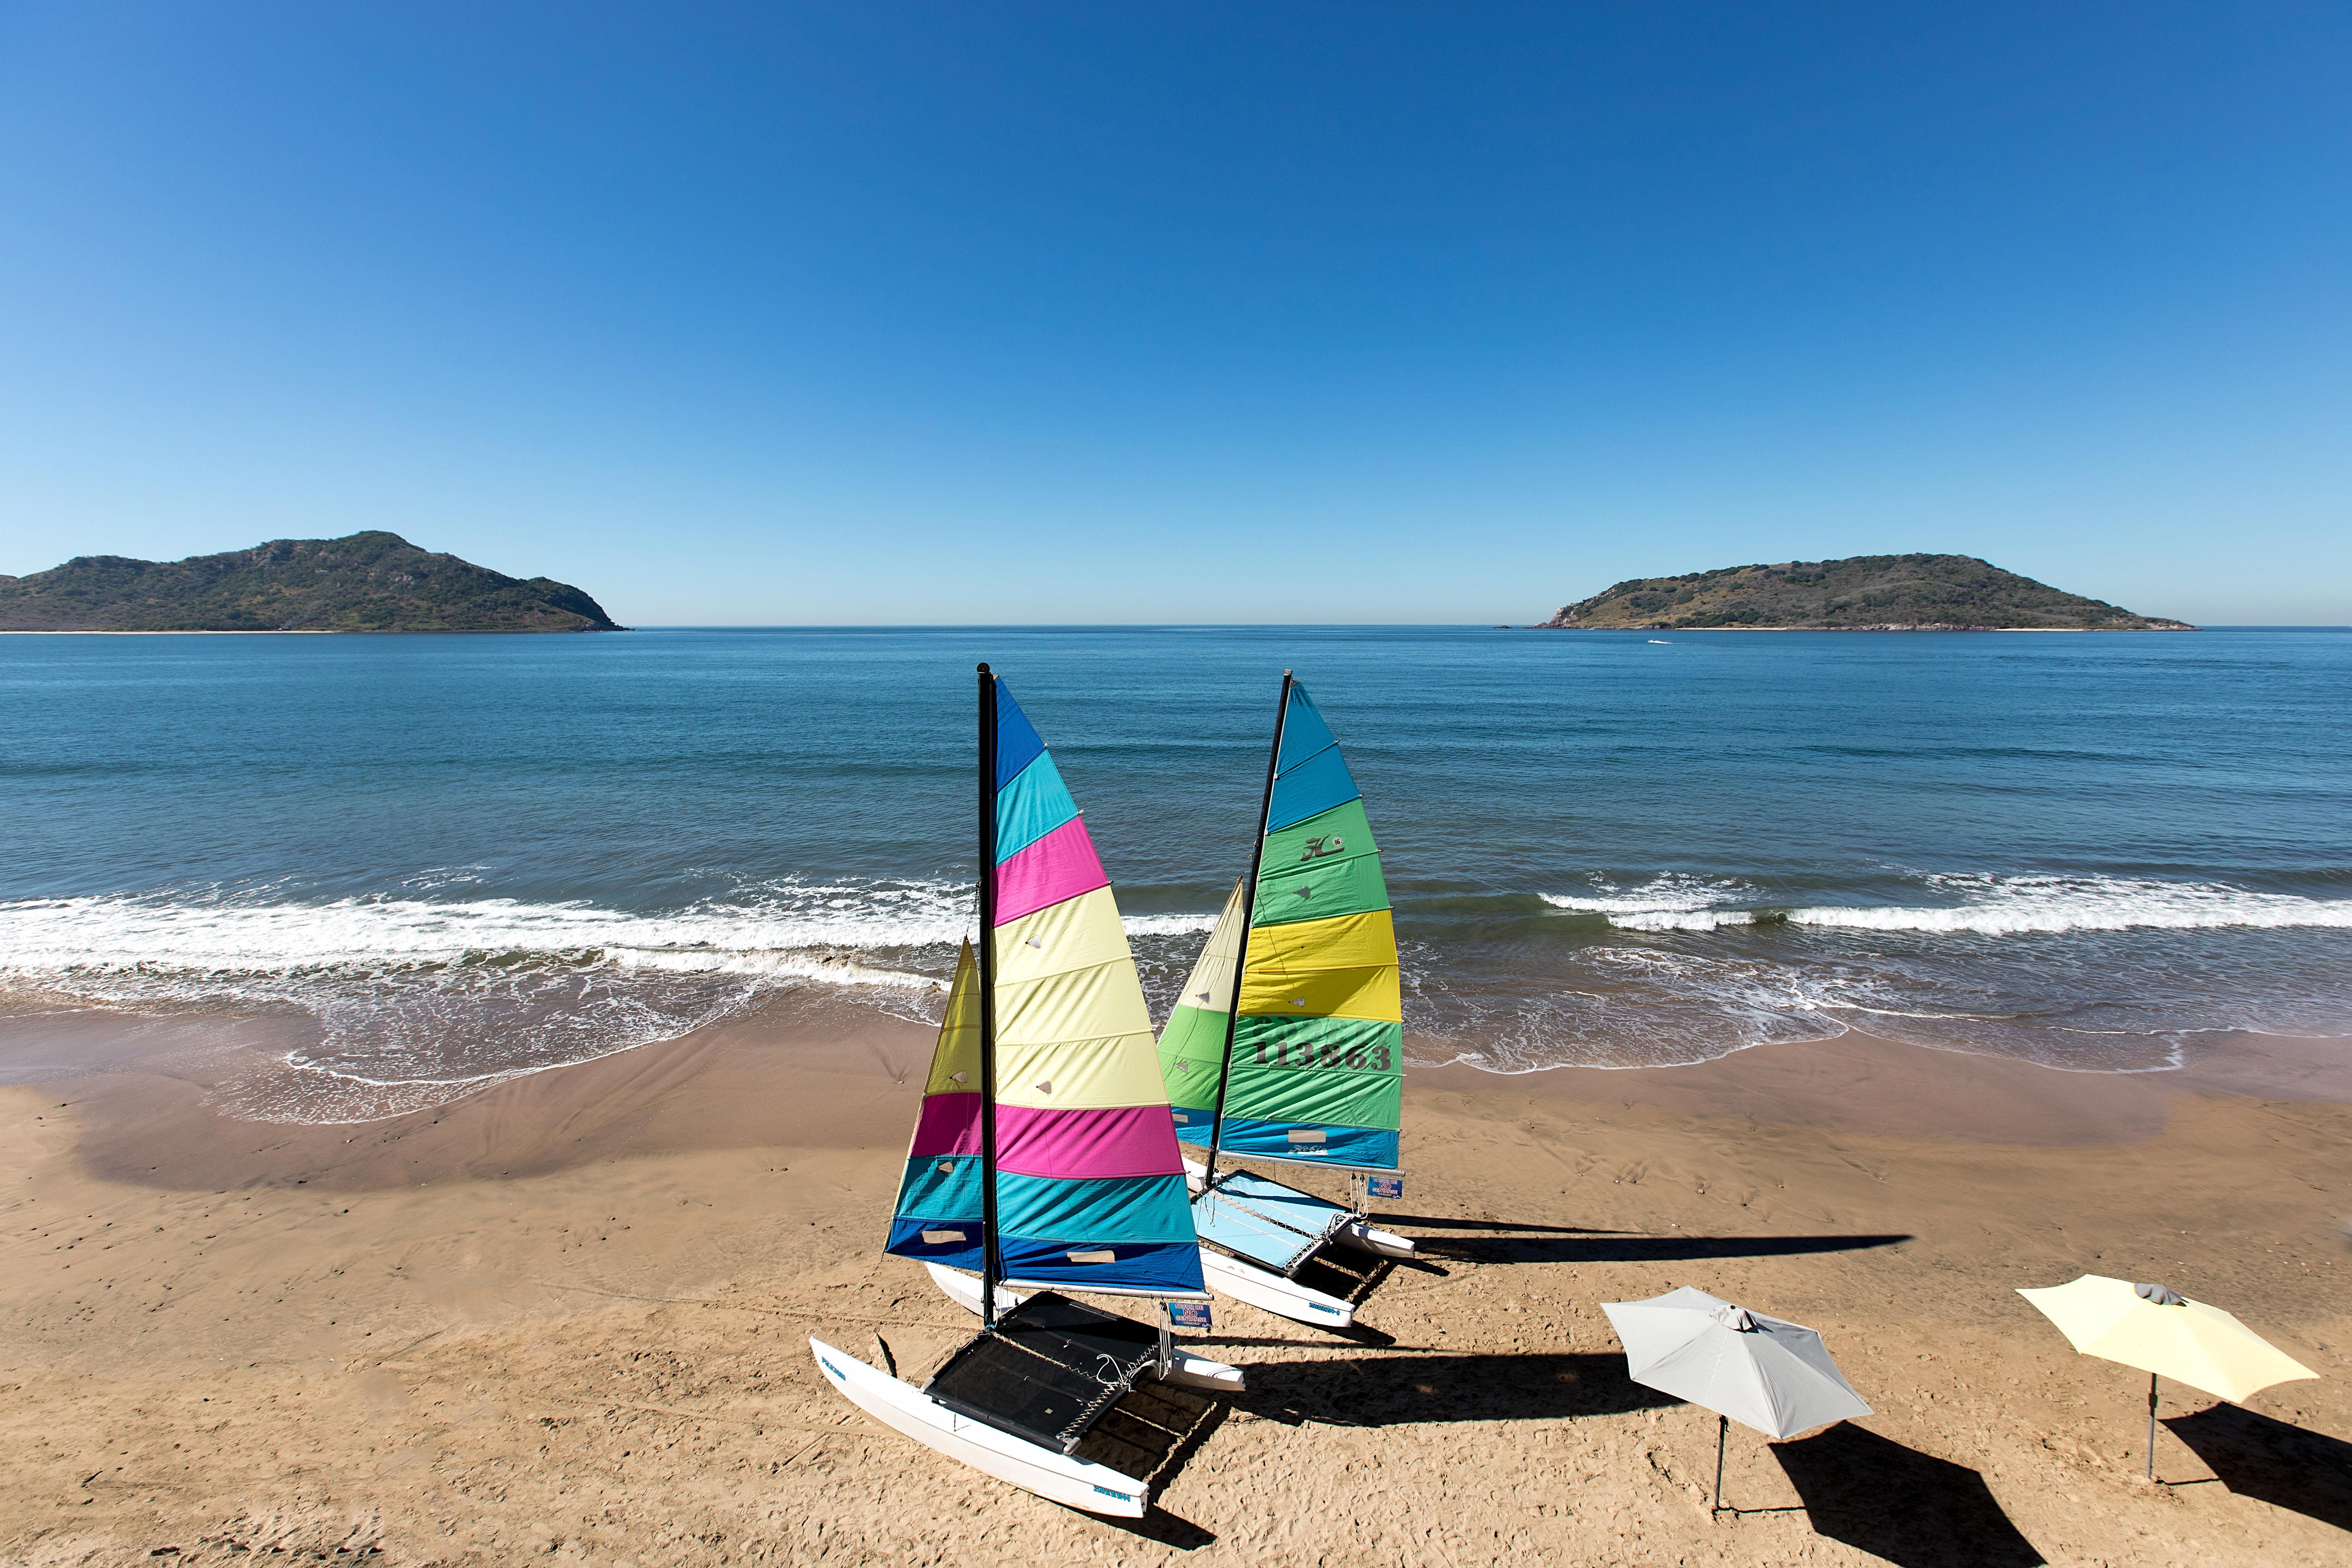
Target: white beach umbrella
1765	1373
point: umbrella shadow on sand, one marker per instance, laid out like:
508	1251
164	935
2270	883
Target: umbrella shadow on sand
2283	1465
1379	1391
1909	1507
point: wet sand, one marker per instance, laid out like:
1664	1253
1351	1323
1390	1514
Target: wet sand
567	1319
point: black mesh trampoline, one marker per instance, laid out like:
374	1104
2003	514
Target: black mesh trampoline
1051	1368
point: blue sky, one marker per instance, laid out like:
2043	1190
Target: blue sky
909	312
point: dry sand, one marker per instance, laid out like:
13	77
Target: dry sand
567	1319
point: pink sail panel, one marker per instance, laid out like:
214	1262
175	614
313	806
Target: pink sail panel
1122	1141
1062	865
950	1124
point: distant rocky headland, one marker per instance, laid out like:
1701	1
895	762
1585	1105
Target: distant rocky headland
1859	594
371	582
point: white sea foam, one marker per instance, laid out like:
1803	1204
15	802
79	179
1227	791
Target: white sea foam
1681	919
420	1000
1981	905
1168	925
163	934
793	932
1670	894
2005	906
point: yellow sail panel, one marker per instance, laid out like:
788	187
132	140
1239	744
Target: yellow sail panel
1077	933
1084	1004
1343	967
955	1062
1342	941
1368	993
1211	986
1080	1075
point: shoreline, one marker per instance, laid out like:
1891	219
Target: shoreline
165	1099
169	1097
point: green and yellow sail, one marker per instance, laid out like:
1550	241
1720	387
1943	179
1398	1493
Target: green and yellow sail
1317	1050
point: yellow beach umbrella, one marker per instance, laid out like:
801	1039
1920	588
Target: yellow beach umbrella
2165	1334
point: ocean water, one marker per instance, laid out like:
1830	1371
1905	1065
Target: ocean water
455	858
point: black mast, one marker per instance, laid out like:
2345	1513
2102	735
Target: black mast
990	1265
1249	908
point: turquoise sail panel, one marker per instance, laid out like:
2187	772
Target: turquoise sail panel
937	1189
1107	1208
1311	788
1304	732
1034	804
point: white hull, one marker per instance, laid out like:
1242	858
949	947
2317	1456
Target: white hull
1271	1292
1191	1371
1363	1237
964	1289
1057	1478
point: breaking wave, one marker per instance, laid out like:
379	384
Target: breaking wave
418	1001
1980	905
790	932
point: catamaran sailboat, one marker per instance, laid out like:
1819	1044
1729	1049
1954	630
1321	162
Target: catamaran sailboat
1307	1064
1045	1157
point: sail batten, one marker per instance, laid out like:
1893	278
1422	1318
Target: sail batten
1317	1046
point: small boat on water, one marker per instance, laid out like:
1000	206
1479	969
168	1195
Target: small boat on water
1045	1159
1287	1043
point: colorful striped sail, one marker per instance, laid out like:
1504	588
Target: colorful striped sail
1192	1043
1089	1184
939	1211
1318	1070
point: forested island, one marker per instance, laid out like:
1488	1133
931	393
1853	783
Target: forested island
370	582
1860	594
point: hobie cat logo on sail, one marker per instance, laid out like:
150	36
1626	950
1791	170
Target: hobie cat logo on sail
1331	844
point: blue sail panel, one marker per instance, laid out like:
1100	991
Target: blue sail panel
937	1241
1017	742
1170	1266
1304	732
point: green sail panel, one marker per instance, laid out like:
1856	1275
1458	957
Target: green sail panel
1333	1073
1189	1048
1193	1044
1312	1085
1325	866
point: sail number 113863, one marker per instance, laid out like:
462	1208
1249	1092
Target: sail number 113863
1326	1054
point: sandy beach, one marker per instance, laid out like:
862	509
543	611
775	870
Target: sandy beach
568	1318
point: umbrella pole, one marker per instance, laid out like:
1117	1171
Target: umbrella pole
1722	1430
2151	1425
